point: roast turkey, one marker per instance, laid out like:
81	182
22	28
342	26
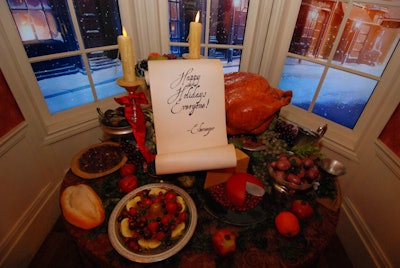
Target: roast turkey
251	103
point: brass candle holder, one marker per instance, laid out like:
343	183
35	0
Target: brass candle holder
139	85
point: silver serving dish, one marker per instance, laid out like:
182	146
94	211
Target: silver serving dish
307	136
111	130
116	131
117	241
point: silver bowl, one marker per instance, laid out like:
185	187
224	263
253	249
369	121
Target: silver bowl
332	166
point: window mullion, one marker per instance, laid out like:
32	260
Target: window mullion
335	66
207	29
340	32
82	51
69	53
318	89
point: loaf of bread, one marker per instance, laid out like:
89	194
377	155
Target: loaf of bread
82	207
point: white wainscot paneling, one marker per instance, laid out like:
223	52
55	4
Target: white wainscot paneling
21	181
25	188
373	207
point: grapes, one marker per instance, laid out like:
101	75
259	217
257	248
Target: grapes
287	132
274	146
132	152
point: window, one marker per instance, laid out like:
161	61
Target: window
337	56
72	49
224	24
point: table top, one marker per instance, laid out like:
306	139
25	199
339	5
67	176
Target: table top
258	244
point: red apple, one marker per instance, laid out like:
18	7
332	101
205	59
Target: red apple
127	169
224	242
287	224
128	183
302	209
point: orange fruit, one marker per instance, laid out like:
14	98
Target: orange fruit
287	224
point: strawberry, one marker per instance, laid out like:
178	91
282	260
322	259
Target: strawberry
182	216
159	236
166	219
153	226
170	197
171	207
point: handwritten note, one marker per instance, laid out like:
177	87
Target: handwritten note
188	102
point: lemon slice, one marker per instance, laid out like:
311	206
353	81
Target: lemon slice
125	231
133	202
149	243
179	199
178	231
156	191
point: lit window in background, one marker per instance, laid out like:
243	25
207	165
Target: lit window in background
337	55
46	29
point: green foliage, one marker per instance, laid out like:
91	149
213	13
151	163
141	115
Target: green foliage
307	150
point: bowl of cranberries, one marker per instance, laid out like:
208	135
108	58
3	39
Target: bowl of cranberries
152	223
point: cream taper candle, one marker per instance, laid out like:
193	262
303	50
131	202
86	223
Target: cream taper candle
195	38
127	56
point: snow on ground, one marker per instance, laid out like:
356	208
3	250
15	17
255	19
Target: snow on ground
72	90
342	96
68	91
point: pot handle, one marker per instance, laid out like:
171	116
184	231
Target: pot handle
321	130
99	111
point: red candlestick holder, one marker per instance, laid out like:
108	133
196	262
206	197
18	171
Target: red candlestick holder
137	99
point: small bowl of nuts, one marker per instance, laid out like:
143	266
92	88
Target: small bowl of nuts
293	173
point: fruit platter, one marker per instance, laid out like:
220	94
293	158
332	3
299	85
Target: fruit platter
152	223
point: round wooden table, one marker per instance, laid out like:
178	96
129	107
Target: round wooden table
258	244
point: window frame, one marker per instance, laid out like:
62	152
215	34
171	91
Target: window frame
264	51
62	124
146	22
275	51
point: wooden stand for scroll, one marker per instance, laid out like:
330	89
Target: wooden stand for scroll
188	101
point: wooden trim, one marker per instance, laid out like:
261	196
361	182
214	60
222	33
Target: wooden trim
13	137
371	250
388	157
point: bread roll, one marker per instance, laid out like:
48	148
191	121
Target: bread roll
82	207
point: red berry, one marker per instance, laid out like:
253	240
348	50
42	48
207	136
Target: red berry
153	226
166	219
132	211
160	236
182	216
171	207
170	197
